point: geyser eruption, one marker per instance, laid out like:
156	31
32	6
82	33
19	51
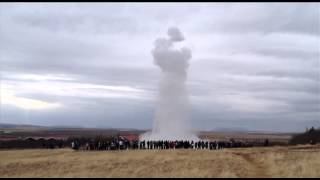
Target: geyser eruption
171	117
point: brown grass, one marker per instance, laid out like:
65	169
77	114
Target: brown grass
295	161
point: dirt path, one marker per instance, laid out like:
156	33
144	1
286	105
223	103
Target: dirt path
257	169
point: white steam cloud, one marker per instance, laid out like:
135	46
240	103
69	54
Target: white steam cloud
171	119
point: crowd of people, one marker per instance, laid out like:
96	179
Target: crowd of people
123	144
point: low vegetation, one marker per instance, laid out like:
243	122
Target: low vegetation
311	136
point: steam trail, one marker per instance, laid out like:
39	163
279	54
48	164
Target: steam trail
171	119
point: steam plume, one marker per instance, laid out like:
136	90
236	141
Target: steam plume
171	118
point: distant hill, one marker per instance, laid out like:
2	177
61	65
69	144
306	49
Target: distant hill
29	126
6	126
238	130
14	131
245	130
19	126
234	129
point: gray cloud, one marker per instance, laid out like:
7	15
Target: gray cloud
267	18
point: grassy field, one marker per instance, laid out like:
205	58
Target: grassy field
295	161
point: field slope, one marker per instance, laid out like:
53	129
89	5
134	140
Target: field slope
294	161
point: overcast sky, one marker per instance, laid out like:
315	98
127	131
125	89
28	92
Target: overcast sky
253	66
